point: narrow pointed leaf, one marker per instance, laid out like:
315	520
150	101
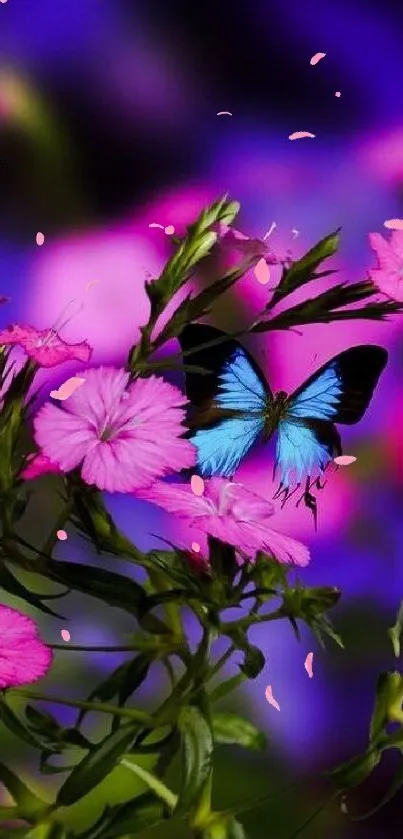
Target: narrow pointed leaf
303	270
27	801
96	766
233	729
114	589
197	754
13	586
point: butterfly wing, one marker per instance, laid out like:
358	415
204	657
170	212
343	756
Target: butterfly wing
339	392
227	404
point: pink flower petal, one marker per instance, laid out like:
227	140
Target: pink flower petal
394	224
67	388
123	436
40	238
224	113
37	465
24	658
298	135
197	484
65	635
61	535
270	698
338	93
195	547
345	459
317	57
262	271
44	346
169	230
308	665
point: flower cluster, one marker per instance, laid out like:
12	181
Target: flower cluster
128	430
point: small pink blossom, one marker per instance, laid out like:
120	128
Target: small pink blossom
123	436
388	274
229	512
231	239
24	658
38	465
45	347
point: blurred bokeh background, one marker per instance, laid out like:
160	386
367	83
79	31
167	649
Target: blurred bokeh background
108	123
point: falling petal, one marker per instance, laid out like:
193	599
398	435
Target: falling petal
197	485
345	459
262	271
295	233
308	665
153	224
317	57
270	698
169	230
394	224
61	535
338	94
91	284
269	232
298	135
40	238
66	389
224	113
195	547
65	635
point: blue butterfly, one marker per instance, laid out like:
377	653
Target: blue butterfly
233	408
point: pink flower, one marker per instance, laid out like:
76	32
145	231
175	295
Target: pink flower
45	346
38	465
249	248
230	512
24	658
388	275
123	436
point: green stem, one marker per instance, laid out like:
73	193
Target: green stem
139	647
166	795
313	816
220	662
100	707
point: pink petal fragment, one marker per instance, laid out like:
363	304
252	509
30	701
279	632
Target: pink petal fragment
195	547
308	665
61	535
197	484
67	388
338	93
153	224
91	285
65	635
345	459
262	271
298	135
169	230
317	57
40	238
394	224
224	113
270	698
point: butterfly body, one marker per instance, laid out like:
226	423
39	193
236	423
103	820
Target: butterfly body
233	408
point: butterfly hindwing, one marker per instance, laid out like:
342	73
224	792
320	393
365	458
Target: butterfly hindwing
234	384
339	392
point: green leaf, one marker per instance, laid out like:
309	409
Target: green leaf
193	308
224	688
48	830
324	308
175	566
14	724
233	729
13	586
28	802
254	662
197	755
388	703
126	819
354	772
114	589
196	245
311	605
96	765
53	734
121	683
303	270
224	827
396	631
